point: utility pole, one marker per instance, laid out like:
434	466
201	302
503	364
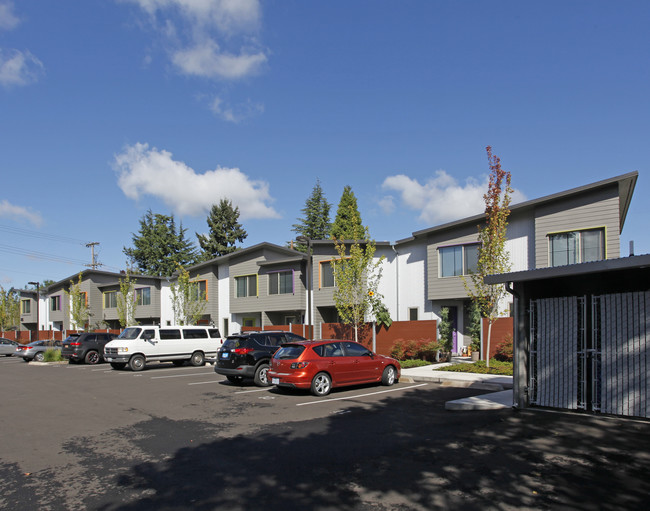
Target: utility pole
93	264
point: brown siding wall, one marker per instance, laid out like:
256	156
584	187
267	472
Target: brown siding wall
501	328
386	337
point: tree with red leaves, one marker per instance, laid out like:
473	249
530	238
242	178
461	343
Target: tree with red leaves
493	258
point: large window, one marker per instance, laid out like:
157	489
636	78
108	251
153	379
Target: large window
199	290
576	247
458	260
25	307
110	299
246	285
143	296
281	282
326	274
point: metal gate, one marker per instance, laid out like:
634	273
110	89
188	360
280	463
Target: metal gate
591	353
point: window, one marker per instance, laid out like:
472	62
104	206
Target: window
326	274
281	283
248	322
576	247
85	298
195	333
458	260
110	299
332	349
246	286
353	349
143	296
25	307
413	314
55	303
169	334
199	290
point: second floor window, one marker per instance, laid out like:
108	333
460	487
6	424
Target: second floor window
576	247
55	303
246	285
110	300
281	283
199	290
458	260
326	274
25	307
143	296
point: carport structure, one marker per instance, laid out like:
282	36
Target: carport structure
582	336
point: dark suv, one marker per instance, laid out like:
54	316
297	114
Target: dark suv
86	347
248	355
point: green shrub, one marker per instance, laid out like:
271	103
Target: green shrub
496	367
52	355
406	364
503	351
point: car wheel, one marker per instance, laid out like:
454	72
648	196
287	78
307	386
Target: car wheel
39	357
198	359
388	377
92	357
178	363
118	365
321	384
261	378
235	379
137	363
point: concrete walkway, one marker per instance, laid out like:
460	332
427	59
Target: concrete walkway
501	386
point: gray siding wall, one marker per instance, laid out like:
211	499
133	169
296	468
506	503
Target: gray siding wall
596	209
209	274
323	296
439	288
247	265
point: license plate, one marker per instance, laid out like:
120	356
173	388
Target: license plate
225	355
275	381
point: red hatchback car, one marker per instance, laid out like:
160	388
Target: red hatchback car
325	364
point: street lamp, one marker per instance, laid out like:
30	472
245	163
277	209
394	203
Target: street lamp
307	240
38	299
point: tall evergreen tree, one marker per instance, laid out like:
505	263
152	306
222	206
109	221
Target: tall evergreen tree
225	231
159	246
315	223
348	218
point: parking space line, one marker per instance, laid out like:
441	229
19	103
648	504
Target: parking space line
322	401
254	390
177	376
205	382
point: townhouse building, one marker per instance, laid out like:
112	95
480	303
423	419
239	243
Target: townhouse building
267	284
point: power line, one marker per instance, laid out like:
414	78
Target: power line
40	255
41	235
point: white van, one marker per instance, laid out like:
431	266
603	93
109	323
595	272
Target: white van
137	345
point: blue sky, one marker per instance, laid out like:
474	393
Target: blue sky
111	107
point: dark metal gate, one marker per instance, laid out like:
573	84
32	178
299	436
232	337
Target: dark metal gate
591	353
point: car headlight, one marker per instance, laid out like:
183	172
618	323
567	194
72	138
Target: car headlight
122	350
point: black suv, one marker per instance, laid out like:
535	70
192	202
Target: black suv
248	355
86	347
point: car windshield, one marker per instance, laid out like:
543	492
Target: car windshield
289	352
234	342
130	333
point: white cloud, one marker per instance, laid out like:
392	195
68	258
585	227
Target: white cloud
19	213
207	60
237	113
19	67
143	171
442	199
195	50
8	19
387	204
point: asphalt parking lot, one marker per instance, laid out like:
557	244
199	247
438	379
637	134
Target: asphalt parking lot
89	437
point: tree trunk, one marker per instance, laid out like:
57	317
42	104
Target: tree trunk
489	335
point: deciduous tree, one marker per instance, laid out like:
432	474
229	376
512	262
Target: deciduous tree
79	310
493	258
9	309
356	277
225	231
126	301
188	302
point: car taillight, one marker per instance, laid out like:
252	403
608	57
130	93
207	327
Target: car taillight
243	351
299	365
75	344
